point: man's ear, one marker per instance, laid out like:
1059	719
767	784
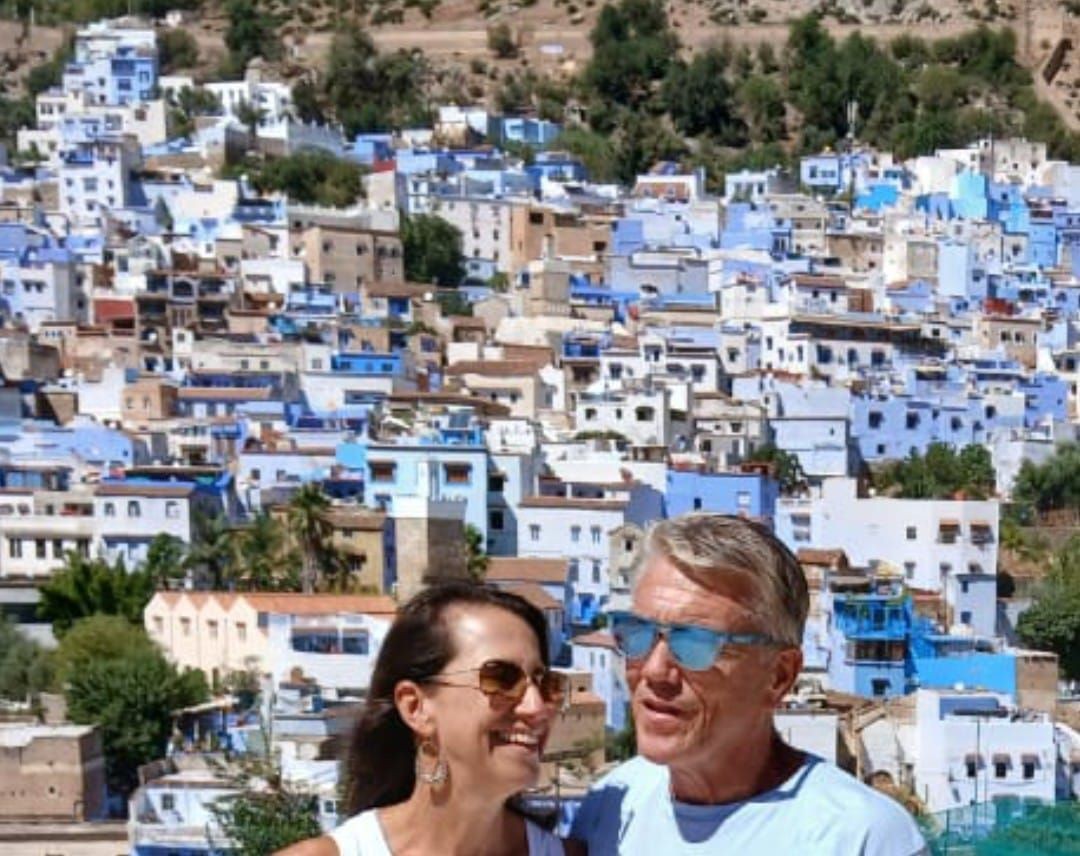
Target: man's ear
414	708
786	669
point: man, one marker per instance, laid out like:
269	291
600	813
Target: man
712	646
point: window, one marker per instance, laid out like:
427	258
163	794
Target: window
168	802
909	570
595	532
742	499
697	503
172	509
212	629
534	531
965	617
596	572
57	548
383	471
355	642
496	482
628	545
575	533
241	631
110	509
39	548
1029	762
185	626
964	586
255	474
912	533
159	624
457	473
133	509
495	520
1001	766
971	764
15	548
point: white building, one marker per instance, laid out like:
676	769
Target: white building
972	747
945	546
596	654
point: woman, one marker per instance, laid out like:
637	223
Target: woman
458	712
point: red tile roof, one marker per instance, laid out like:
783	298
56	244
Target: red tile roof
596	639
522	569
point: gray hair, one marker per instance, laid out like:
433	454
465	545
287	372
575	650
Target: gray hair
708	547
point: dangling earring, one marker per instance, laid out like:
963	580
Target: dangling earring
438	774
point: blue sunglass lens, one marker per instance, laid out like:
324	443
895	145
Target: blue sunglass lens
633	637
694	648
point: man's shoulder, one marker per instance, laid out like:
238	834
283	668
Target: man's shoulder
836	797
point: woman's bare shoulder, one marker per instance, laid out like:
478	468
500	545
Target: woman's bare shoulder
322	846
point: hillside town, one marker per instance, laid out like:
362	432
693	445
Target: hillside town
253	397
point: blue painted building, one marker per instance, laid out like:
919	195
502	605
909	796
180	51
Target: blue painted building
753	494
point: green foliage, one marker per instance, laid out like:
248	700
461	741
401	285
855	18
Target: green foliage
251	33
500	41
82	587
941	473
55	12
25	668
595	150
262	558
96	639
786	467
433	250
311	177
1052	623
762	102
165	559
369	91
1053	485
15	113
131	697
177	49
699	98
633	47
49	74
308	103
261	822
476	560
309	525
211	555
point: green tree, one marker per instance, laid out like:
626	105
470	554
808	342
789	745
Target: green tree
311	177
633	47
132	698
165	560
500	40
212	554
250	33
1053	485
250	116
762	102
311	528
699	98
96	639
786	467
941	473
1052	623
263	559
177	50
82	587
369	91
25	668
307	102
476	560
433	250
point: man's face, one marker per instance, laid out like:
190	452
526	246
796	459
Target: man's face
688	718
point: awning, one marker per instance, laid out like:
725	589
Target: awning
1029	758
949	524
973	758
1002	758
980	524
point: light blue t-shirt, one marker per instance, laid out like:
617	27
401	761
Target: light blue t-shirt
820	810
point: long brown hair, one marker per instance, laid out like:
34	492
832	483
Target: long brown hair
379	769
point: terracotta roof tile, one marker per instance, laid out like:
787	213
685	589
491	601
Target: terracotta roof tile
494	368
596	639
534	594
524	569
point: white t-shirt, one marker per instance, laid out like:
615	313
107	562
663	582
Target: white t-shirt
820	810
362	835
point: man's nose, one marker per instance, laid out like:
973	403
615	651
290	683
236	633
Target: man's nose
659	665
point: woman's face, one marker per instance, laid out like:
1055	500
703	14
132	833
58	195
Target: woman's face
491	744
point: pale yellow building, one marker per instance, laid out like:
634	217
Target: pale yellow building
222	632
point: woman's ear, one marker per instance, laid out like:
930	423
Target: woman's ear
414	708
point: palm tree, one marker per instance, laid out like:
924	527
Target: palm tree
476	557
265	560
212	555
311	528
